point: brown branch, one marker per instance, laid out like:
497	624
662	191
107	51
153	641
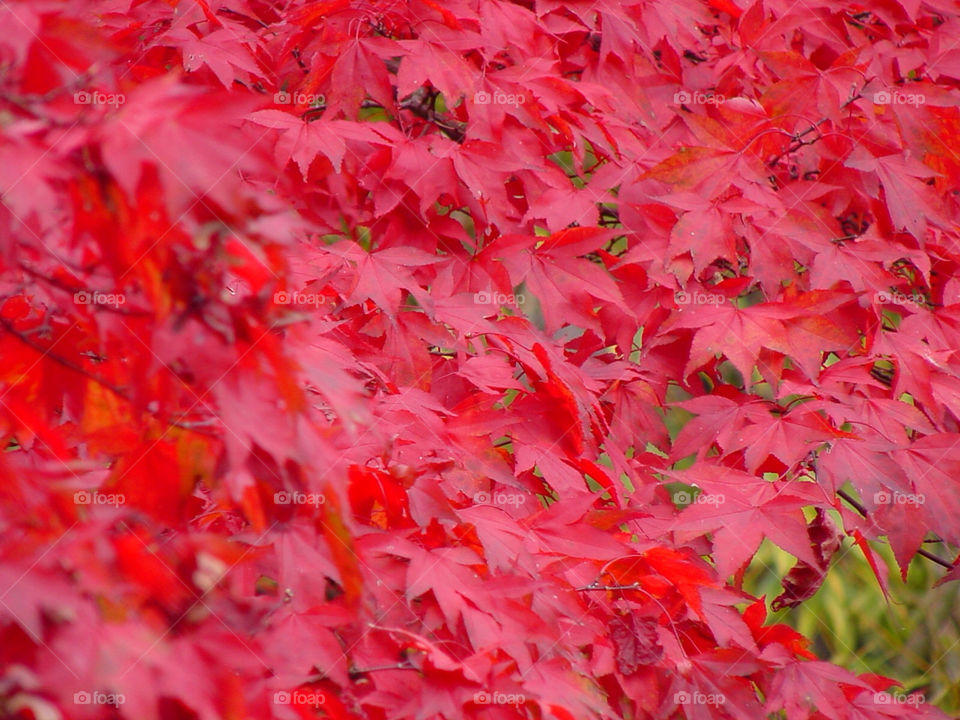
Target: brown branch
27	102
420	103
396	666
934	558
226	11
609	215
925	553
67	288
594	586
117	390
797	140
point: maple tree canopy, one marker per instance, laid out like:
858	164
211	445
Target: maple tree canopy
424	359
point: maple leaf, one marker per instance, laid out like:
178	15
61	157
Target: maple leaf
303	141
740	511
221	50
636	642
803	580
433	360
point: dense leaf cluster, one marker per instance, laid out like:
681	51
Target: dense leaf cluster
343	346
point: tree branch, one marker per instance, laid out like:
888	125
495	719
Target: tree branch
923	552
117	390
420	103
797	140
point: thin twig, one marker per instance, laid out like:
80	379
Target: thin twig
375	668
634	586
67	288
420	105
75	367
797	138
863	511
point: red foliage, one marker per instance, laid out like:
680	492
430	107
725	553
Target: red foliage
338	340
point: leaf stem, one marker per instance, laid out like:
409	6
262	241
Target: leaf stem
923	552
